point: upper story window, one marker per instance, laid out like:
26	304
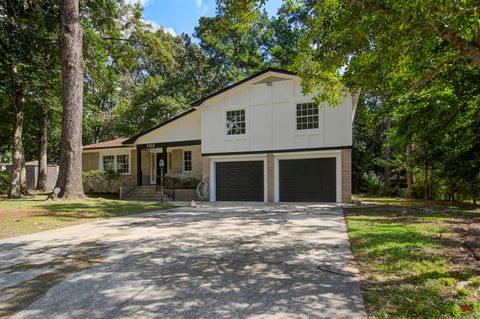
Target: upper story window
187	161
307	116
109	163
236	122
123	166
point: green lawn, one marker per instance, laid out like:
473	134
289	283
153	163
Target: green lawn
416	203
34	213
417	262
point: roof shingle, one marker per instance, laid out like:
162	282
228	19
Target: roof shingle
117	142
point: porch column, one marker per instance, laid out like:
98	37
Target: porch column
139	166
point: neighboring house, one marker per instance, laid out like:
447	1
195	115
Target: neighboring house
259	139
31	168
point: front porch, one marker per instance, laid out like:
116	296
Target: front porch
181	159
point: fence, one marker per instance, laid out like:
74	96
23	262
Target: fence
32	174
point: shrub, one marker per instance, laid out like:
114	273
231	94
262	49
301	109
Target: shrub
184	183
356	200
397	191
447	282
373	184
100	181
4	182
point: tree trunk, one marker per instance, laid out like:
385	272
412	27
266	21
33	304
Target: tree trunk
425	180
23	178
431	184
387	158
70	173
451	190
468	49
15	190
410	172
42	155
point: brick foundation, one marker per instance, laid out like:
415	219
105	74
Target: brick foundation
346	159
206	169
270	177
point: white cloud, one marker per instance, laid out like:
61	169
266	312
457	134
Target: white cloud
154	26
142	2
203	7
170	31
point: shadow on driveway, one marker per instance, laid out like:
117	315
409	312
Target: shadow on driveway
206	262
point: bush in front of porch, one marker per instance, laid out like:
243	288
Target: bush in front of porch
171	182
98	181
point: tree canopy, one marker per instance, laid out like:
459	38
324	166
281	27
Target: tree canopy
416	64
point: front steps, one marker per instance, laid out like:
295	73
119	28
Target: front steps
147	193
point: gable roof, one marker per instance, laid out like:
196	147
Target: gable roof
199	102
116	142
134	138
208	97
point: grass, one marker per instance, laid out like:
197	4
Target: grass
415	203
417	262
34	213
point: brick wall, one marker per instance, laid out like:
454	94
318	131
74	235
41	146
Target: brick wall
178	162
133	163
346	176
206	168
90	161
270	177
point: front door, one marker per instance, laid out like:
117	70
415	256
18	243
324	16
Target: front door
157	167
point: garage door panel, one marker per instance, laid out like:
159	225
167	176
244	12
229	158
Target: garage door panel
239	181
308	180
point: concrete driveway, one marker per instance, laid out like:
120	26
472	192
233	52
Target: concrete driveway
214	261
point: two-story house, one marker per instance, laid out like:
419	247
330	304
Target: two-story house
259	139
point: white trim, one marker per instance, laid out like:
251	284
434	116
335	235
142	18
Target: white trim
101	165
129	163
213	194
115	153
210	102
109	149
183	161
233	109
306	155
307	130
237	158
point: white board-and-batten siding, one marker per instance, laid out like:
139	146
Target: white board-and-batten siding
270	115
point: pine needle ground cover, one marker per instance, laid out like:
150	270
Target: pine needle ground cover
417	262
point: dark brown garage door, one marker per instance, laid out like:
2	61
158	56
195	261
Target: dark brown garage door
308	180
239	181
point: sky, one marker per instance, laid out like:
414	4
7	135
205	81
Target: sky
179	16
